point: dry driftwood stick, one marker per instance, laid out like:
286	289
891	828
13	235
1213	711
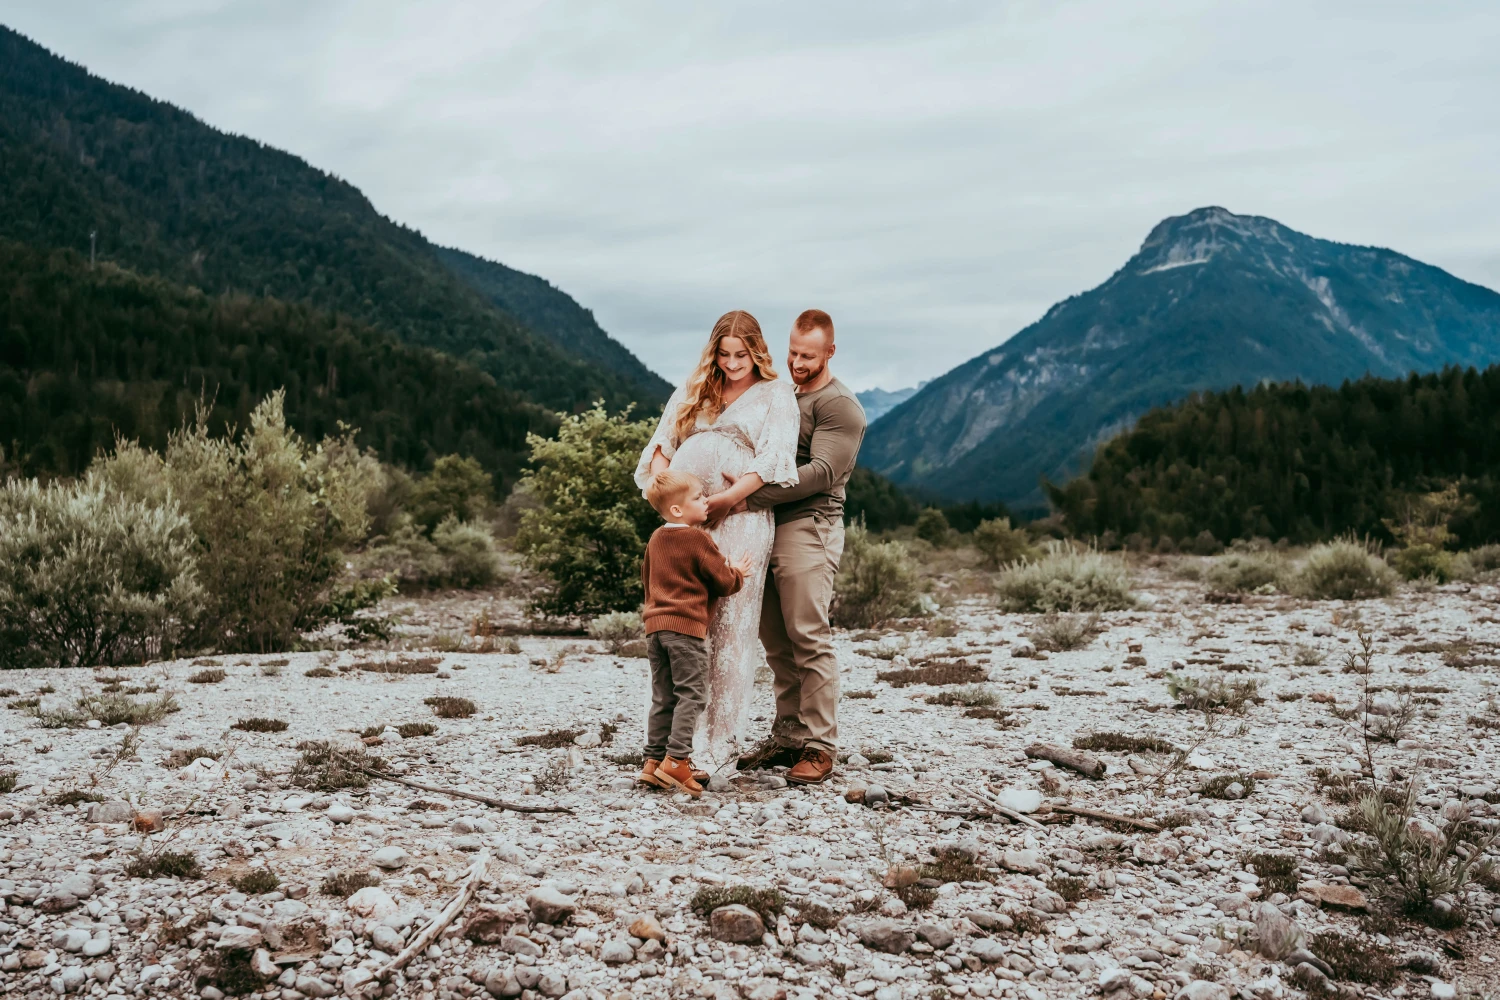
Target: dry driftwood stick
1009	814
1085	764
1108	817
440	790
432	930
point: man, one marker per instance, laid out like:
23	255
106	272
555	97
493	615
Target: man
804	561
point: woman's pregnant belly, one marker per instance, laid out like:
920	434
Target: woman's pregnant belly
708	456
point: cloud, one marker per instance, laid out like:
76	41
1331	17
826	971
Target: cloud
934	175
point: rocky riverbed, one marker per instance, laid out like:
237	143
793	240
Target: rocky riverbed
895	880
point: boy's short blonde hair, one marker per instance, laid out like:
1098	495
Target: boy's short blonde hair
668	487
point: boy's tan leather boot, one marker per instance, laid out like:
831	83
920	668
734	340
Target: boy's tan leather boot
648	774
674	773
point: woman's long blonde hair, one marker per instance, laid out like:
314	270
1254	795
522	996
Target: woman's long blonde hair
705	388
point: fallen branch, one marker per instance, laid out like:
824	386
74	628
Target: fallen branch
440	790
1084	763
429	933
1108	817
1009	814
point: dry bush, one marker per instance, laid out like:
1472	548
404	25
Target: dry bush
260	724
766	902
256	882
411	730
550	740
1057	633
555	777
1227	786
859	695
1243	572
165	864
346	884
1344	570
326	768
183	756
207	677
1277	872
954	672
111	709
877	581
1000	545
617	629
402	665
974	696
318	672
1066	579
1121	743
1213	694
8	782
449	707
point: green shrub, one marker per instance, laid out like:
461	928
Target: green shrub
1343	570
589	530
1066	579
1213	694
999	544
1242	572
89	576
458	554
877	581
456	488
932	527
1423	561
272	518
617	629
1481	565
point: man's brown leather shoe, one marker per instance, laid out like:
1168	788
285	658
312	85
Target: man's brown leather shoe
769	754
815	765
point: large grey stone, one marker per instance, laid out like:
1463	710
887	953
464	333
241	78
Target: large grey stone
736	923
616	952
549	906
1202	989
1275	934
392	856
938	935
235	938
111	811
988	950
885	935
502	983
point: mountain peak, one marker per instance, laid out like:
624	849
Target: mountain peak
1201	235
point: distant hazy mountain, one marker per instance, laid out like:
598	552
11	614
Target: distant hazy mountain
879	402
1212	300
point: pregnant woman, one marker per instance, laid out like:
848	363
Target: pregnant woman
732	416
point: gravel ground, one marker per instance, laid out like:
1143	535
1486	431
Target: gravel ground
597	902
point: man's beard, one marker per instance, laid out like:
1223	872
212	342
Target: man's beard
811	374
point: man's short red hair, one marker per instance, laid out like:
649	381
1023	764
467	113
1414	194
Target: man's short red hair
814	319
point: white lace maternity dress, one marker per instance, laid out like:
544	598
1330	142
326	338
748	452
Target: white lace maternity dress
756	433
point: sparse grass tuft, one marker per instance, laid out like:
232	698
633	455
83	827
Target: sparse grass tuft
1213	694
321	672
975	696
260	724
448	707
936	674
617	629
1069	888
916	897
1121	743
1059	633
1277	872
555	777
410	730
327	769
1223	787
766	902
859	695
256	882
1003	718
8	782
627	758
73	796
111	709
346	884
1358	959
1066	579
183	756
551	739
208	676
954	866
402	665
1307	655
167	864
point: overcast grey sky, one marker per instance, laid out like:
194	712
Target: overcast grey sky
934	174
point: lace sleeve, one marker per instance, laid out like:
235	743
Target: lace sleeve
776	448
665	438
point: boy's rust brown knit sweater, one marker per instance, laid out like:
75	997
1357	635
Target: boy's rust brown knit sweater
685	574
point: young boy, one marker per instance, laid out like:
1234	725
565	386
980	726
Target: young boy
685	574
